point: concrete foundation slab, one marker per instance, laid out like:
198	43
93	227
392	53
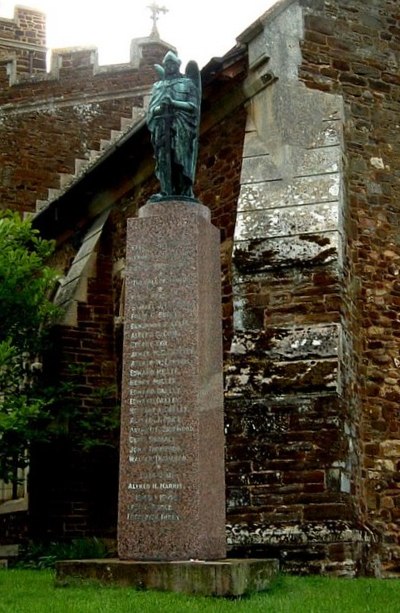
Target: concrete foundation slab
229	578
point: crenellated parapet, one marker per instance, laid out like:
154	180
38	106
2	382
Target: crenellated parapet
23	42
23	54
19	66
144	52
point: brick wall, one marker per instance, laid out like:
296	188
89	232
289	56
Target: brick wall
13	528
50	120
23	42
352	48
73	490
27	26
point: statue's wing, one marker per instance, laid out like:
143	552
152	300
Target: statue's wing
160	71
192	72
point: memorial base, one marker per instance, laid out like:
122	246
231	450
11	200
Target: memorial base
172	478
227	578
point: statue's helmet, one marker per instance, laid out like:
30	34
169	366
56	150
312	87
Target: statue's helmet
172	57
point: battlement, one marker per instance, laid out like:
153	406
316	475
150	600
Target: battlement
23	41
27	26
75	65
23	53
143	52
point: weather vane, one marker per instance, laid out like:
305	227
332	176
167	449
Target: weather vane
155	12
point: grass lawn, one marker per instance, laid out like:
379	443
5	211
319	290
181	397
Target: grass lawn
29	591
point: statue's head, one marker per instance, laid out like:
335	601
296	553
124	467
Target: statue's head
171	64
171	57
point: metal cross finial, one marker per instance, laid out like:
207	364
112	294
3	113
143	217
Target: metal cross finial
155	11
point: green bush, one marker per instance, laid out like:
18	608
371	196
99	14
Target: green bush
45	555
26	315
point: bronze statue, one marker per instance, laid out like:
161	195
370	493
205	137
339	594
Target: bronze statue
173	119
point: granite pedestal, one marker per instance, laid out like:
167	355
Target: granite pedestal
172	490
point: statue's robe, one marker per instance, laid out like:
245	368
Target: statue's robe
174	133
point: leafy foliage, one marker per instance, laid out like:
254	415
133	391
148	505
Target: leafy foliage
84	429
30	411
25	282
25	316
45	555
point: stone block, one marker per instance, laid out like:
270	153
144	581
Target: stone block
9	551
390	448
260	168
229	578
287	221
259	255
297	120
265	377
253	145
289	342
302	190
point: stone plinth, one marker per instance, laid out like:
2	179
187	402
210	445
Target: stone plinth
172	492
228	578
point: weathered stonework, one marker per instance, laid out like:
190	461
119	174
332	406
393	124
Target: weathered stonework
290	436
342	53
315	244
